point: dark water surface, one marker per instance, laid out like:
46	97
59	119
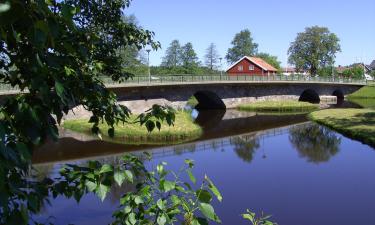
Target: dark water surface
300	172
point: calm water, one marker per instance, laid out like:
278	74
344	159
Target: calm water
300	172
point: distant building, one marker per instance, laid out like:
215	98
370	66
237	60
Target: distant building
292	70
251	66
340	69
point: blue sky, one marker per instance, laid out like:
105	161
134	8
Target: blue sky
273	23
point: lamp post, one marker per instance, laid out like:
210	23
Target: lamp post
148	65
221	70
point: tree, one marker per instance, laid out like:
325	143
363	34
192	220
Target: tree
355	71
189	58
314	48
270	59
57	51
212	57
243	45
172	56
131	55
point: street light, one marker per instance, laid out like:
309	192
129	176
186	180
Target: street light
221	70
148	65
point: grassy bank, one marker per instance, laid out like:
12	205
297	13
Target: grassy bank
364	102
365	92
279	106
358	124
183	130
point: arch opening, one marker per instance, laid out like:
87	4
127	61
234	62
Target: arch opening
339	94
309	95
208	100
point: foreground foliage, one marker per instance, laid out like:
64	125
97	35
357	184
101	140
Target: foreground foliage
184	129
279	106
354	123
56	50
160	196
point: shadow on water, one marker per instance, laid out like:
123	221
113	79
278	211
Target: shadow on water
215	124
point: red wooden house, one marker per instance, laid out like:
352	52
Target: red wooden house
251	66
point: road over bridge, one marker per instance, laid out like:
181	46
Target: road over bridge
215	92
220	92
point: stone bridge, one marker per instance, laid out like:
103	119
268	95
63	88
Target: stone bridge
221	95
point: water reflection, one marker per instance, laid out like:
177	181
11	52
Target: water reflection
245	146
285	185
314	142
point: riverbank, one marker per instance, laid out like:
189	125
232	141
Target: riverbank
183	130
279	106
365	92
358	124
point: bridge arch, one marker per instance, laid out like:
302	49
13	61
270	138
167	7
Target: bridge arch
339	94
309	95
208	100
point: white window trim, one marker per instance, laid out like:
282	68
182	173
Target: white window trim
240	68
252	67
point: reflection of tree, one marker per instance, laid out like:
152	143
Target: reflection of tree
314	142
245	146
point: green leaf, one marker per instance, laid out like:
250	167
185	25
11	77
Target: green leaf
175	200
59	89
191	176
132	219
189	162
204	196
214	189
119	177
91	186
158	125
150	125
160	204
129	176
161	219
102	191
4	7
208	211
168	185
138	200
106	168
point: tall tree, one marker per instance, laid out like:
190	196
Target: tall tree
131	54
57	51
211	57
243	45
172	56
189	58
314	48
270	59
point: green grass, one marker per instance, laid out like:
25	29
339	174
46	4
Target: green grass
279	106
358	124
365	92
364	102
183	130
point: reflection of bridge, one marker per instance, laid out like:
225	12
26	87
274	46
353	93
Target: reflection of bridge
218	144
76	152
219	92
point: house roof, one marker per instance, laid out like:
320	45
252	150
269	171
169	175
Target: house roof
372	65
257	61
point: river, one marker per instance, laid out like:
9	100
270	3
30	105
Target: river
299	172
